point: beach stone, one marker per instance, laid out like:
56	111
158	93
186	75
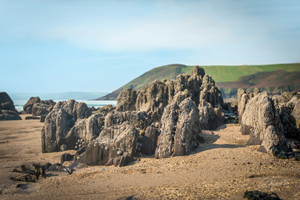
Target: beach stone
29	104
7	108
31	117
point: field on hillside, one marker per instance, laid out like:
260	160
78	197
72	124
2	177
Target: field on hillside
223	73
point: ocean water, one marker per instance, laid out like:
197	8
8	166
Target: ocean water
20	103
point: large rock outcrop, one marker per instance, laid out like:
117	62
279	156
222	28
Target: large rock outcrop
57	131
38	107
154	97
7	108
180	126
269	121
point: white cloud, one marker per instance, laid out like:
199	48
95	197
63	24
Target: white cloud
192	31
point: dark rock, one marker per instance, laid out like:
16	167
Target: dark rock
7	108
66	157
28	106
31	117
43	117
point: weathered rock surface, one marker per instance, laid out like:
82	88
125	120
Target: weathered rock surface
104	110
38	107
7	108
180	126
262	113
57	129
154	97
118	148
210	118
149	141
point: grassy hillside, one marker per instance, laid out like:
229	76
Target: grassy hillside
228	78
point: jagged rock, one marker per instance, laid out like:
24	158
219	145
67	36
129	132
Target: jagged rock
137	118
180	126
78	110
104	110
261	114
59	126
210	118
105	148
56	126
154	97
164	141
27	108
187	128
84	130
7	108
243	98
126	100
38	107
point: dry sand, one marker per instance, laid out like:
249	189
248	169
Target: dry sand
222	168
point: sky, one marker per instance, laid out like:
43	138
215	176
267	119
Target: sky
98	46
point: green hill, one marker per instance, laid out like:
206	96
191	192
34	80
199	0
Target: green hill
273	78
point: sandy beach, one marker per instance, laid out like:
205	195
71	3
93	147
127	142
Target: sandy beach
221	168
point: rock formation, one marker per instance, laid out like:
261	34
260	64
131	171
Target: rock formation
59	122
7	108
154	97
38	107
210	118
268	119
180	126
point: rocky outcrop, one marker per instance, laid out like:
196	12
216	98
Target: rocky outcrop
78	110
210	118
108	149
262	114
137	118
57	129
7	108
38	107
180	126
243	98
149	140
154	97
104	110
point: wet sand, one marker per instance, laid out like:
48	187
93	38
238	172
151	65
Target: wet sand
221	168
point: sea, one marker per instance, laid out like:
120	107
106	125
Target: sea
99	103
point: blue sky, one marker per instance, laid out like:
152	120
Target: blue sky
64	45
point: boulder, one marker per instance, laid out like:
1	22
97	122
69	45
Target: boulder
38	107
27	108
58	127
106	149
262	114
210	118
180	126
7	108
